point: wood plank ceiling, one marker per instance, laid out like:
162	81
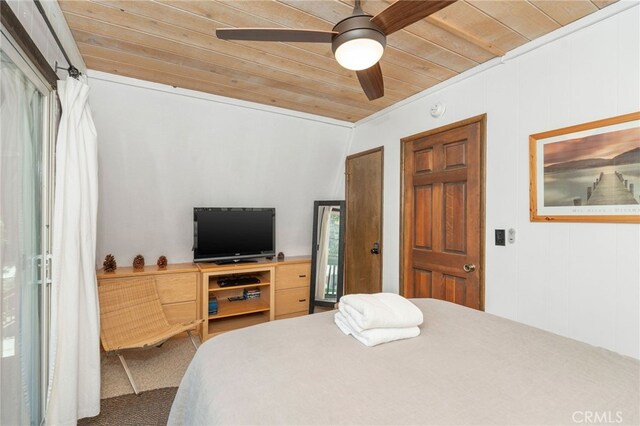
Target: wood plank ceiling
173	42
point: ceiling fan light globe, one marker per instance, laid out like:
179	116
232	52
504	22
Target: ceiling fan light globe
359	44
359	54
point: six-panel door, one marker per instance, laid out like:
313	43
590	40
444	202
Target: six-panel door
442	215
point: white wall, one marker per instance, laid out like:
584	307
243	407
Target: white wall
163	151
577	280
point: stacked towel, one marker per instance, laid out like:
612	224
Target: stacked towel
378	318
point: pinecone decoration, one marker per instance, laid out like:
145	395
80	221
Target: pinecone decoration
162	262
138	262
109	263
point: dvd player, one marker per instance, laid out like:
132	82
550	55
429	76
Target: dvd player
233	281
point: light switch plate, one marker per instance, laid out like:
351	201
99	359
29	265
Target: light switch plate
511	235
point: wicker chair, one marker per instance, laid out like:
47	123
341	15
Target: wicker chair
131	317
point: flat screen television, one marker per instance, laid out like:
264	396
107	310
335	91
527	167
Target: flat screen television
229	235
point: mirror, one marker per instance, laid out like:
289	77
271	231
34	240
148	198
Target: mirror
327	254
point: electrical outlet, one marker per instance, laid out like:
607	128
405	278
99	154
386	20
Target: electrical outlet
500	238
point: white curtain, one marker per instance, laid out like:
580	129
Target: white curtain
324	215
20	245
74	376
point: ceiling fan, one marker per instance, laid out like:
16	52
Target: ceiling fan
357	41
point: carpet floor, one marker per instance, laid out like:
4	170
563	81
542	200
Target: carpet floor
149	408
157	372
153	368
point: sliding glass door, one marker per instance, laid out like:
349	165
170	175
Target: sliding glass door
24	213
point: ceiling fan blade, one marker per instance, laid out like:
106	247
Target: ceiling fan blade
275	34
405	12
371	82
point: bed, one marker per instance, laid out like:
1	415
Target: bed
466	367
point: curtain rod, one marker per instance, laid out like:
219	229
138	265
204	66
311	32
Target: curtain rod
16	30
73	71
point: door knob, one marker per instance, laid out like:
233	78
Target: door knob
375	249
469	267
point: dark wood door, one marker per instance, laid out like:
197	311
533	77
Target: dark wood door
363	225
443	214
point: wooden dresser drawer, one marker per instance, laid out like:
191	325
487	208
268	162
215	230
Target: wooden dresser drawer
174	288
293	315
290	276
292	300
177	313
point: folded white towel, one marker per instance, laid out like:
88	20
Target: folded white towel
375	336
380	310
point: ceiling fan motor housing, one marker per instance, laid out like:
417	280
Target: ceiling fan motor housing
355	27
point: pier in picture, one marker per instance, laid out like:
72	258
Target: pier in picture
596	170
589	172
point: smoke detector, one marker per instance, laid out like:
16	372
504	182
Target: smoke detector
437	110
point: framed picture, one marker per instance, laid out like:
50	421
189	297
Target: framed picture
587	173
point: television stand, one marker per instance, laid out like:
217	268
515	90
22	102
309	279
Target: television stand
234	310
284	293
235	261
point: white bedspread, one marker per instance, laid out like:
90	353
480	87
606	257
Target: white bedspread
466	367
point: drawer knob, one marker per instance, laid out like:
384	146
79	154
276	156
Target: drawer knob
302	300
302	276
